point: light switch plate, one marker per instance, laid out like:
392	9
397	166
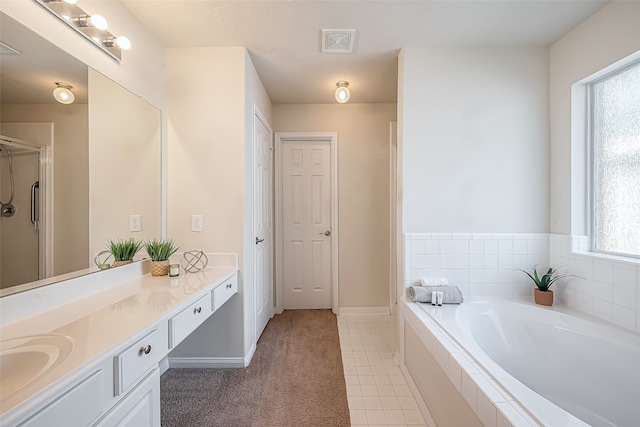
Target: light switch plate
134	223
196	223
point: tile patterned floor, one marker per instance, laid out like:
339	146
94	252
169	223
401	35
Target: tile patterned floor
377	391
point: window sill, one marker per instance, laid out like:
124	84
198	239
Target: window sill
597	256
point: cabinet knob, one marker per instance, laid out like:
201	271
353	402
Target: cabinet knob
144	350
229	286
197	310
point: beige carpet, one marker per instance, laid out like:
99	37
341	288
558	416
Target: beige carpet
295	379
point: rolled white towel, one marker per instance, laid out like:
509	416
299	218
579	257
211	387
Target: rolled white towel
434	281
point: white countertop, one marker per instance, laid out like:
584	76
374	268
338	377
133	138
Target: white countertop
98	323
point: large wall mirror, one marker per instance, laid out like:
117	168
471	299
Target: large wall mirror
71	175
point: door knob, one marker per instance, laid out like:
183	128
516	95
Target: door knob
259	240
326	233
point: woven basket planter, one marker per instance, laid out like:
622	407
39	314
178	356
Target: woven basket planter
119	263
160	268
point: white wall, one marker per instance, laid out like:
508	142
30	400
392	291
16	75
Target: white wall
603	39
474	135
124	158
363	191
211	93
611	286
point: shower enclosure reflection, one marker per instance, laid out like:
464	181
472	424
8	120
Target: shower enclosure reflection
21	215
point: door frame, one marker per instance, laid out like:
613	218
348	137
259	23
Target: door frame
332	138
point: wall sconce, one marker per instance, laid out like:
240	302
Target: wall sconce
92	27
342	92
62	93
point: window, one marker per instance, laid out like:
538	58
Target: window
615	167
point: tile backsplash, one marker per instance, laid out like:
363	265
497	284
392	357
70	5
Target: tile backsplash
486	264
478	263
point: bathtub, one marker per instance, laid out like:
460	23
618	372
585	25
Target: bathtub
560	367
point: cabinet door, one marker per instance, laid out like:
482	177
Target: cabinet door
139	408
79	406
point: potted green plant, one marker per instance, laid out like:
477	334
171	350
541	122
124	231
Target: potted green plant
159	251
123	251
541	293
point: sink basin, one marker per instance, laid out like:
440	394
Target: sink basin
26	359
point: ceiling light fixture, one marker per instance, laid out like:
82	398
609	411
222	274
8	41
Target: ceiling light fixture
342	92
62	93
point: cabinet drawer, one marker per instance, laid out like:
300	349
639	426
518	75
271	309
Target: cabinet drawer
185	322
138	359
223	292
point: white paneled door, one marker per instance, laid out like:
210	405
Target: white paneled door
263	224
306	224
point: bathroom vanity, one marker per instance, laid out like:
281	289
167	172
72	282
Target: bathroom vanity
93	357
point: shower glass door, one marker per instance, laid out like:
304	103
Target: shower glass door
20	213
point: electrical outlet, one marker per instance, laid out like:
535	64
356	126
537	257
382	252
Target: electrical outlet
135	223
196	223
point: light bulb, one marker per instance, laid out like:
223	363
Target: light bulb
123	42
342	92
98	21
62	93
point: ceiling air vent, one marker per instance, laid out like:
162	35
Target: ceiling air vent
338	41
8	50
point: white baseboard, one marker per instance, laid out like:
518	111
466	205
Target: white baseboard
212	362
249	355
364	311
163	365
206	362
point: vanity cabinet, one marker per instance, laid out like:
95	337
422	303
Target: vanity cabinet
121	385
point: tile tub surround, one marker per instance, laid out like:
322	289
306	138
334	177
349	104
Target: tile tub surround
483	264
480	264
611	286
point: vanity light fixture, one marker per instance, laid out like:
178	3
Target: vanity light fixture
92	26
342	92
62	93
